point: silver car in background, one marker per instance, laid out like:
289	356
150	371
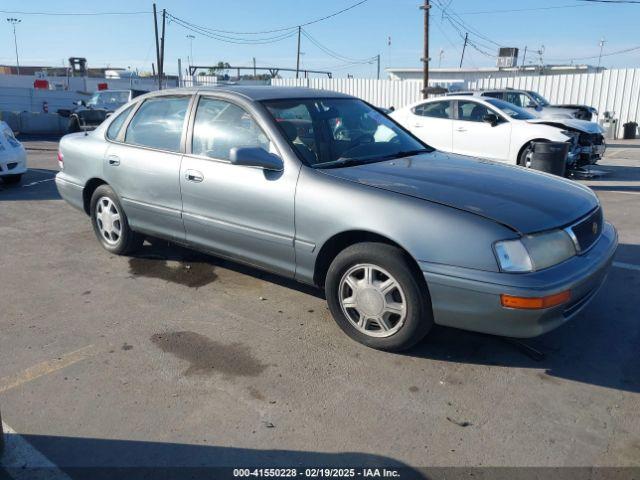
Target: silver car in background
323	188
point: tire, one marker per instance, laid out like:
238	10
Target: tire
12	179
522	159
74	125
114	234
396	329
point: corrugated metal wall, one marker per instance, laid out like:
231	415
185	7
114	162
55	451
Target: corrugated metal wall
616	91
382	93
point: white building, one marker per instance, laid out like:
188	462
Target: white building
459	77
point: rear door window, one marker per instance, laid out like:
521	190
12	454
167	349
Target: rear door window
159	123
434	109
499	95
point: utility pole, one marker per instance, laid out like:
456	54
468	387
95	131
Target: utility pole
164	21
155	27
254	68
602	42
524	56
378	59
13	22
464	47
425	54
298	56
440	55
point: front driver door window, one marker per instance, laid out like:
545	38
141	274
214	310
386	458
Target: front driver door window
234	210
475	137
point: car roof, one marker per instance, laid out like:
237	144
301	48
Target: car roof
256	92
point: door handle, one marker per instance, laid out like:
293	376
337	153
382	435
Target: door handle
194	176
417	125
113	160
461	129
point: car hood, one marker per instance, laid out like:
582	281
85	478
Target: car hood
524	200
574	123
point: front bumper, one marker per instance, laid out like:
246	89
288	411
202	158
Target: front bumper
13	161
470	299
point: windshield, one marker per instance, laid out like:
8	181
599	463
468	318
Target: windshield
335	132
510	109
109	98
539	99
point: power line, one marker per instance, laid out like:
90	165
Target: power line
333	53
454	19
617	52
512	10
229	39
282	29
74	13
636	2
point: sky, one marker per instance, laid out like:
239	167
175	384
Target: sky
393	29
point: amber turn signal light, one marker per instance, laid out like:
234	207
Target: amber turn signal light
535	303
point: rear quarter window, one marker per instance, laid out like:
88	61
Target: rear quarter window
116	125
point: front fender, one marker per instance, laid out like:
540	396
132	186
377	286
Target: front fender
429	232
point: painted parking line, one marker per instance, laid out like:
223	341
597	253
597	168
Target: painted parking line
45	368
627	266
23	462
39	181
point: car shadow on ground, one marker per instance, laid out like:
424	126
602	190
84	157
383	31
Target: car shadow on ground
599	346
151	260
36	184
94	458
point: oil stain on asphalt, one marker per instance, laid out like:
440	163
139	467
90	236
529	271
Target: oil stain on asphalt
192	275
206	356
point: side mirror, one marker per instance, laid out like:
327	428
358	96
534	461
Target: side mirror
255	157
491	118
81	103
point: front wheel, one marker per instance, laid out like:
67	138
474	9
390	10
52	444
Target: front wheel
377	298
526	156
110	223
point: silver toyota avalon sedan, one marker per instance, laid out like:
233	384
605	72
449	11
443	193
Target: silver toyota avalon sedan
323	188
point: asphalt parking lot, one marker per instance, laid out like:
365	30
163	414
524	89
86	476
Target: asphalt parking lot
176	358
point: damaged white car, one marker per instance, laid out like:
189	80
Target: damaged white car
497	130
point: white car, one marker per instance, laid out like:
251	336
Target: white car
13	157
497	130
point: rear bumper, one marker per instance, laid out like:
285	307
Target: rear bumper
470	299
70	191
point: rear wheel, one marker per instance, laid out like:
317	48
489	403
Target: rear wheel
12	179
110	223
376	297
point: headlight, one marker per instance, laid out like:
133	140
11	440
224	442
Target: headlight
534	252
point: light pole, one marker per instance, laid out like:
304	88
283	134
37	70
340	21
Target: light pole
602	42
190	37
13	22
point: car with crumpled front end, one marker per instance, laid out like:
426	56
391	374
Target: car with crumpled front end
322	188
